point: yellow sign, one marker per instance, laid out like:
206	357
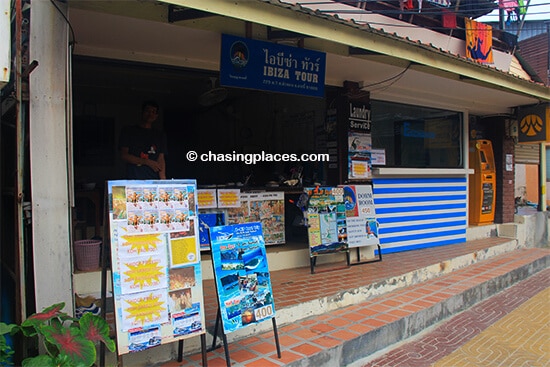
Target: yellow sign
533	124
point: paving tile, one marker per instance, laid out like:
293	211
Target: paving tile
344	334
307	349
326	341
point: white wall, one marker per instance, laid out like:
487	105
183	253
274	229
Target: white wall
48	157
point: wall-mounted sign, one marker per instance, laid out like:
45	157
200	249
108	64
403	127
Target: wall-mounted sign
533	124
359	140
253	64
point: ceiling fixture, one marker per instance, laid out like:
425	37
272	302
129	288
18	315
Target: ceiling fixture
214	95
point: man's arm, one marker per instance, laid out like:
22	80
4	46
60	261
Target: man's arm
157	166
162	166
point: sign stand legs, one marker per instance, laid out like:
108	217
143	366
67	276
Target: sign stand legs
224	338
368	261
276	334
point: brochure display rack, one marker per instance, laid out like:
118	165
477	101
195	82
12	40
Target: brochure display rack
155	259
326	222
243	282
231	206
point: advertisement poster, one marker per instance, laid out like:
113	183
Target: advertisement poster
359	156
362	227
268	208
359	140
207	198
229	198
155	257
242	275
326	215
207	220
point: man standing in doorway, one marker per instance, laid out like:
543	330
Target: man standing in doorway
142	147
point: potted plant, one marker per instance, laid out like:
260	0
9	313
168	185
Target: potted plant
67	341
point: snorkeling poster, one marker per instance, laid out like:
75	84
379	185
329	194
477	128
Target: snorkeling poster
242	276
155	257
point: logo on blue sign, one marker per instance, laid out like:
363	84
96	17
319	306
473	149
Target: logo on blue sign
239	54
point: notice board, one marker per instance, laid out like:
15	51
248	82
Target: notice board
155	257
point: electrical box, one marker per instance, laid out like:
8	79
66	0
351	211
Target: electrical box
5	42
482	184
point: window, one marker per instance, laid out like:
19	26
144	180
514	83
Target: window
417	137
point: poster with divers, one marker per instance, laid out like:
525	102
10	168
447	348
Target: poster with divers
362	226
155	262
242	276
326	220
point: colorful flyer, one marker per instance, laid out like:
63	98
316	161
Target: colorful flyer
143	310
155	260
143	273
229	198
207	199
362	227
242	276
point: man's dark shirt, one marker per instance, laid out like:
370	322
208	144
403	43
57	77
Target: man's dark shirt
143	143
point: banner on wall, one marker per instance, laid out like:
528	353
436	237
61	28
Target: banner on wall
242	276
155	257
254	64
479	41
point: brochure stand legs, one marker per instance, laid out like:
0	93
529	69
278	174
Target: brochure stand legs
105	254
368	261
313	260
203	349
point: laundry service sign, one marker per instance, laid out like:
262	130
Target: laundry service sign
253	64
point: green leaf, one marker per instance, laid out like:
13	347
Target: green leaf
6	328
72	343
96	329
42	318
39	361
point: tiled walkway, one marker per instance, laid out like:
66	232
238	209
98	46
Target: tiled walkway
347	334
511	328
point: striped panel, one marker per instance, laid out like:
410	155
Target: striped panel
416	213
